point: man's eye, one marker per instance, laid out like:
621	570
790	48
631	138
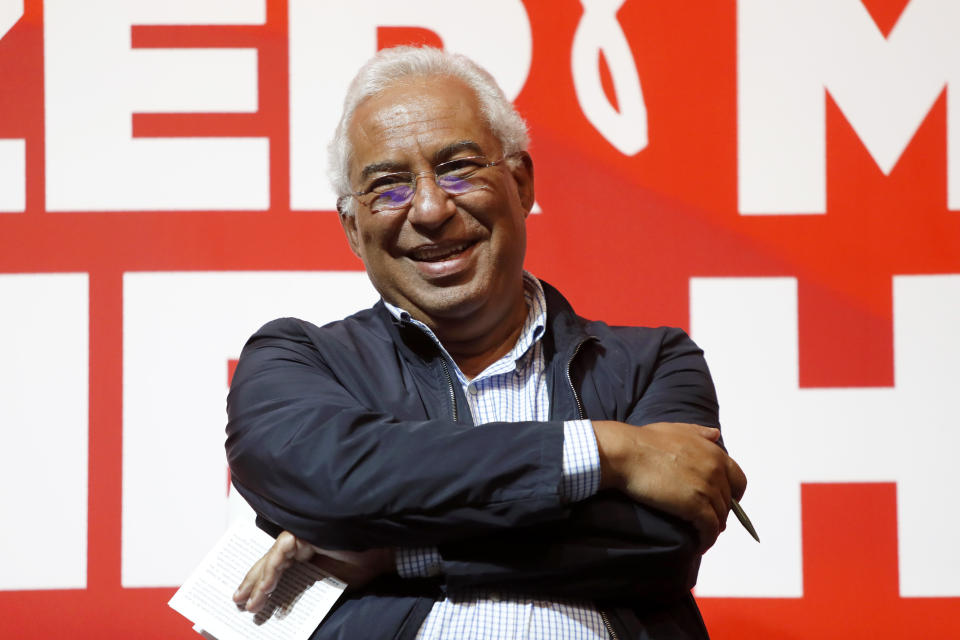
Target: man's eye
390	181
460	168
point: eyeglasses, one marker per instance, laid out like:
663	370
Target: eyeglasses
396	190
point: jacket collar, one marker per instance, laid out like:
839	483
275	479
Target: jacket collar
566	331
414	345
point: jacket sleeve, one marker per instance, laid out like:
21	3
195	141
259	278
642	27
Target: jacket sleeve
310	457
610	548
679	389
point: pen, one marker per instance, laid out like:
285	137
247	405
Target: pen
744	520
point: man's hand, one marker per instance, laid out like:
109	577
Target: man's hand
356	568
675	467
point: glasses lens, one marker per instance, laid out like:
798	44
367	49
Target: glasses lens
393	198
455	185
456	177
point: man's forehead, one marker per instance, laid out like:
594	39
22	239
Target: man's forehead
424	116
407	108
382	121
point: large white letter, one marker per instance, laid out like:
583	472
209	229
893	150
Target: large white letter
330	40
44	340
12	151
94	81
13	175
783	435
789	51
179	332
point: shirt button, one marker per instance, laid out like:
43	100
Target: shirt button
472	389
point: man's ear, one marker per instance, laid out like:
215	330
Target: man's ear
349	224
523	174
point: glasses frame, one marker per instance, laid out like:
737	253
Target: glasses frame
415	179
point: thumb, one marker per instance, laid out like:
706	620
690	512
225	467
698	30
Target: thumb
303	550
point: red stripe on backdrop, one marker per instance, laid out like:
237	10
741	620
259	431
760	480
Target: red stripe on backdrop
106	431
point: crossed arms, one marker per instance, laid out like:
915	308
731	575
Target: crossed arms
322	458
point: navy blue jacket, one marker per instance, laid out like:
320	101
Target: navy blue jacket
354	435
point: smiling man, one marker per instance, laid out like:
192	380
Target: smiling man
475	459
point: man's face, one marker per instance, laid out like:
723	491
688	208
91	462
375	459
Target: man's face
441	258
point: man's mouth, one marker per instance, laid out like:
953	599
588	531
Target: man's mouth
439	253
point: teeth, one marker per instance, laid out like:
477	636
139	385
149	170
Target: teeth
438	253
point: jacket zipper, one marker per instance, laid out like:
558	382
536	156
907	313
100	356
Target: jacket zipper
606	623
576	396
453	403
603	614
453	395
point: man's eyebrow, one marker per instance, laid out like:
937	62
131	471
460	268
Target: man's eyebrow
381	167
454	148
441	155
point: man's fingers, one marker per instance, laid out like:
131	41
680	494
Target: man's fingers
736	478
246	585
715	487
275	562
264	575
720	501
262	591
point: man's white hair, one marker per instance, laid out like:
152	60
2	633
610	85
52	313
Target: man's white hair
392	65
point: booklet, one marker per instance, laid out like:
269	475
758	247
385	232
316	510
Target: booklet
301	600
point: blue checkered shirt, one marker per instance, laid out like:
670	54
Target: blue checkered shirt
513	389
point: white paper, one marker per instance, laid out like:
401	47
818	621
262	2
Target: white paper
301	600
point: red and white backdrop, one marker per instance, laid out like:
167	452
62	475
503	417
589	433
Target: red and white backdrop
782	178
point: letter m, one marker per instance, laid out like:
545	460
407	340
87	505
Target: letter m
791	51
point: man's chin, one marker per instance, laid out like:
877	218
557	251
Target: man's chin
451	303
440	304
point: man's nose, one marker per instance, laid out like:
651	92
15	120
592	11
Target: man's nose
431	206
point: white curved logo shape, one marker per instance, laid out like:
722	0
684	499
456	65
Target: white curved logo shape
10	12
599	30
